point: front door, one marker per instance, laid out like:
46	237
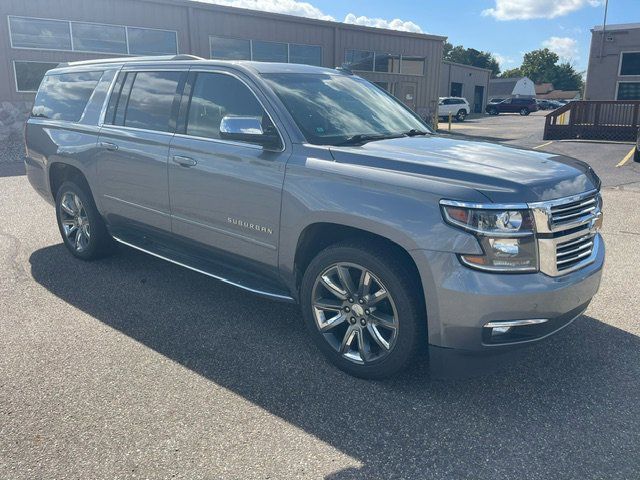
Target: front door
406	92
134	142
224	194
478	98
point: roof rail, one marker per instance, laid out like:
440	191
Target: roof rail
98	61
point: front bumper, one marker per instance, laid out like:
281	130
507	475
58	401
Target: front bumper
461	301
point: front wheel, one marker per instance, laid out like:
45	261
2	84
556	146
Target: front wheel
493	111
524	112
81	226
461	115
362	310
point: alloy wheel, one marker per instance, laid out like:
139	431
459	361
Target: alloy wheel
355	312
75	222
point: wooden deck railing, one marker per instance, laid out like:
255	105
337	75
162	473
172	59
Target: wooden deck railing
594	120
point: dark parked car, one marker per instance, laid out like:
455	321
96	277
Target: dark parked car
544	104
523	106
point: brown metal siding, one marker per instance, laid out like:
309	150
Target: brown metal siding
195	21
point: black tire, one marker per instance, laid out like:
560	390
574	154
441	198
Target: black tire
99	243
524	111
493	111
636	156
461	115
404	293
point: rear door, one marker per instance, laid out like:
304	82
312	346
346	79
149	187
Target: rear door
134	147
225	194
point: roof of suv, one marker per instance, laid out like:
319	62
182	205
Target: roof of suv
258	67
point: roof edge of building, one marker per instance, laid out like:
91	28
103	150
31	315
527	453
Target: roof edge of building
466	66
198	4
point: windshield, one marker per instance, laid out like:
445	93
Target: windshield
334	109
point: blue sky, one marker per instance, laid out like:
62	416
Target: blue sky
507	28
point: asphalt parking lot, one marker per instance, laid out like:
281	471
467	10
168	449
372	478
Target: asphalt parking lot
131	367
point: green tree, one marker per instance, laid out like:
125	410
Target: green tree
512	72
538	65
565	77
542	66
471	56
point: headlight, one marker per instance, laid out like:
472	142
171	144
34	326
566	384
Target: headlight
506	236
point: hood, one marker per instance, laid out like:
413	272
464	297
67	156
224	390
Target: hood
503	174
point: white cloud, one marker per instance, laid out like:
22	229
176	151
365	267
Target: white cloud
528	9
504	60
565	47
289	7
395	24
304	9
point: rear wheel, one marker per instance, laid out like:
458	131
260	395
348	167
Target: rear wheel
362	310
461	115
493	111
81	226
524	111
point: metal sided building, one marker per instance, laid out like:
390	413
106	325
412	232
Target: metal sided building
614	63
472	83
36	35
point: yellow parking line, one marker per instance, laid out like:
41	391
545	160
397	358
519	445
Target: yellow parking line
627	157
543	145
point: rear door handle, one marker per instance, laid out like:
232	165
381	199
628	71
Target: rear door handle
109	146
184	161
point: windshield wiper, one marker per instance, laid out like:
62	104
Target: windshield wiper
362	138
413	132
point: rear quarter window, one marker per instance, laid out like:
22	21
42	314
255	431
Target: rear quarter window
65	96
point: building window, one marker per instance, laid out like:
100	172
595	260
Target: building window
630	63
628	91
305	54
39	33
147	41
412	65
35	33
224	48
270	51
229	48
30	74
91	37
359	60
386	62
456	89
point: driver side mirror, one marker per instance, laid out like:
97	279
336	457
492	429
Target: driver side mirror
249	129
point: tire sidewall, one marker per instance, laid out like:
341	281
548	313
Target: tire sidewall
92	215
408	329
461	116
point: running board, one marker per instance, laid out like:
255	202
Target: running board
212	269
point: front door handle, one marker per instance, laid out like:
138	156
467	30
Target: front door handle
184	161
109	146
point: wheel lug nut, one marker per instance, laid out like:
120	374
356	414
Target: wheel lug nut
350	300
352	320
361	301
363	322
347	309
367	311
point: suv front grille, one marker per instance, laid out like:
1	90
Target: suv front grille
569	213
567	232
573	252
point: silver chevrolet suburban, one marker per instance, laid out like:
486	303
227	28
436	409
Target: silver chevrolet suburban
313	185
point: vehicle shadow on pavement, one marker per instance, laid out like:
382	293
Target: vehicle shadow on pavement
570	408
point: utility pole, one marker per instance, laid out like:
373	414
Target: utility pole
604	26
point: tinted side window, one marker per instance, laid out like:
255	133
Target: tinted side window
150	100
64	96
215	96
